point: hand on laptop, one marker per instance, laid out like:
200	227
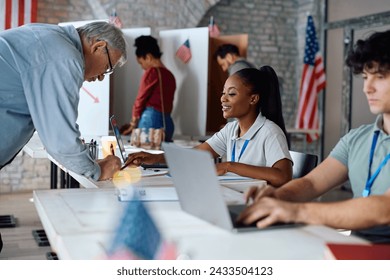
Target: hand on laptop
254	193
108	166
144	158
268	211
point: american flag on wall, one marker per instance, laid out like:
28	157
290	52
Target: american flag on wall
15	13
213	28
312	82
115	20
184	51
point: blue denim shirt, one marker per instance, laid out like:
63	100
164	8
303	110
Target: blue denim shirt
41	72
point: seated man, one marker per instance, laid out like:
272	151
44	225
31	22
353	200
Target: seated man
228	57
362	156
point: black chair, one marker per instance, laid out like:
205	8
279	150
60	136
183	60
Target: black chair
303	163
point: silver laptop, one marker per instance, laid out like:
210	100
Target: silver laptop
198	189
118	136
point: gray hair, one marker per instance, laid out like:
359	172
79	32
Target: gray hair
103	31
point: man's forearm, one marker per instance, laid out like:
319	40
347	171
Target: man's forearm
298	190
354	214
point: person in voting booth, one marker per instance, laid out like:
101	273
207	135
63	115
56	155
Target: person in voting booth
255	144
228	57
42	68
361	156
154	103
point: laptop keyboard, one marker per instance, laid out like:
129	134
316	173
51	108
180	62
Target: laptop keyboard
231	196
235	210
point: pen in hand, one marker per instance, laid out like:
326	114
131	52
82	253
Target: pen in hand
112	149
127	163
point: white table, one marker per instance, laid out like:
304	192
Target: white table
80	222
35	149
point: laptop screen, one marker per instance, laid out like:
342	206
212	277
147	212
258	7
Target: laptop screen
118	137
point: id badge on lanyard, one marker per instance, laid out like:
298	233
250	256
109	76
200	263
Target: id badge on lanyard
371	178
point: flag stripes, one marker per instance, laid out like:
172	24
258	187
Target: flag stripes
184	51
17	12
312	82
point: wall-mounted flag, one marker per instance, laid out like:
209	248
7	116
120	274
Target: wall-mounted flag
115	20
213	28
312	82
17	13
184	52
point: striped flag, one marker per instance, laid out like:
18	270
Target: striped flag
138	238
184	51
115	20
15	13
213	28
312	82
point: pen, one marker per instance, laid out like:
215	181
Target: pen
112	149
126	165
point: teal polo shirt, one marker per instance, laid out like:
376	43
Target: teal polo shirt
353	150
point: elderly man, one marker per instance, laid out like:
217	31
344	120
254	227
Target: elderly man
42	68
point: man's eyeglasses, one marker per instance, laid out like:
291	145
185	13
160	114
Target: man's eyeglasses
111	69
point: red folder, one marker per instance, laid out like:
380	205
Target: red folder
358	251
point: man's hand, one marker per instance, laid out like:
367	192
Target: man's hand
144	158
257	192
267	211
108	166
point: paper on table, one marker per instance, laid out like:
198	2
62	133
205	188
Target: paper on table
229	176
152	172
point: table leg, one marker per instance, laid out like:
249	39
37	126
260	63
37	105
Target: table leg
53	175
71	183
62	179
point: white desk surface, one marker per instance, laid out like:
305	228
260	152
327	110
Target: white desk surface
80	222
34	147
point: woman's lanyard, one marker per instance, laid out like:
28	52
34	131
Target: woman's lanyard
242	151
371	179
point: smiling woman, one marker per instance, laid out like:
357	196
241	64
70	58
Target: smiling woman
255	144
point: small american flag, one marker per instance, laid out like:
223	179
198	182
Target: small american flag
312	82
115	20
213	28
15	13
184	51
138	238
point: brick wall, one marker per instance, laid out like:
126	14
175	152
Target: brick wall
25	173
276	30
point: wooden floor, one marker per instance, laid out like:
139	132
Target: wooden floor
19	243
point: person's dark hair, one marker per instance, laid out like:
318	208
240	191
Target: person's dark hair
225	49
265	83
147	45
370	53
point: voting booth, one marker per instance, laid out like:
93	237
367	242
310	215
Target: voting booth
199	83
197	106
